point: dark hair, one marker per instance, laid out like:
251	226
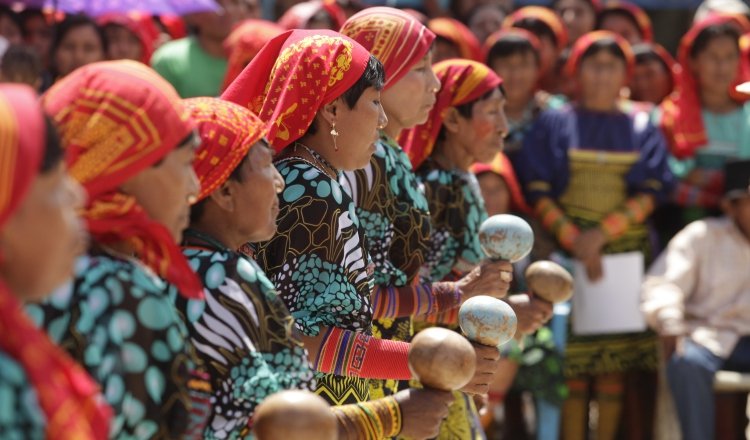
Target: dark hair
510	45
467	109
8	12
711	33
537	27
70	23
21	61
479	8
373	76
606	44
53	152
27	14
618	13
645	53
590	3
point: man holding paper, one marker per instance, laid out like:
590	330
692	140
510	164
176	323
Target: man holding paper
697	297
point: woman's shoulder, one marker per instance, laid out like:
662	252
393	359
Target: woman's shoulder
304	183
216	267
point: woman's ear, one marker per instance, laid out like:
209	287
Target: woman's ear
223	196
451	121
329	111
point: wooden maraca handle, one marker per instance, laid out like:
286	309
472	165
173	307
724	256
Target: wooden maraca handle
442	359
549	281
294	415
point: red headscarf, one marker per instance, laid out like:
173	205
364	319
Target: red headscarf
394	37
456	32
639	16
295	75
462	81
116	119
547	16
227	132
140	24
244	43
582	45
673	67
518	33
299	15
682	120
175	25
67	396
501	166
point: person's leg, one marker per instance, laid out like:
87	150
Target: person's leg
609	390
691	377
548	420
576	409
639	405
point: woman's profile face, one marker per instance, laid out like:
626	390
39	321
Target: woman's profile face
482	135
358	129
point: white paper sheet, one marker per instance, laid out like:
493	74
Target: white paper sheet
612	304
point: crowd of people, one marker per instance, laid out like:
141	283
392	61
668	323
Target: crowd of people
199	211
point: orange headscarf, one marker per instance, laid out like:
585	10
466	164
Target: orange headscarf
682	120
67	396
501	166
295	75
244	43
394	37
456	32
140	24
639	16
227	132
584	43
118	118
299	15
462	81
547	16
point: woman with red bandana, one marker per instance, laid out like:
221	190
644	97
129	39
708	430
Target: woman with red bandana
579	16
656	74
43	392
454	40
604	172
131	36
244	43
627	20
130	143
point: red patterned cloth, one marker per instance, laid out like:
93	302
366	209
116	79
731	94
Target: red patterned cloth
295	75
227	132
548	16
501	166
299	15
67	396
140	24
462	81
639	16
118	118
582	45
394	37
682	120
244	43
456	32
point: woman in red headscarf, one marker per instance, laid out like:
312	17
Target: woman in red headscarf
603	170
704	121
319	91
627	20
44	393
579	16
130	36
551	33
390	203
130	143
655	75
244	43
313	14
454	40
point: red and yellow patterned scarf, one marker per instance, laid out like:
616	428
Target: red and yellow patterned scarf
116	119
68	397
244	43
295	75
462	81
227	132
457	33
394	37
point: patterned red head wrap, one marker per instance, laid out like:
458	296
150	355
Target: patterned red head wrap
118	118
584	43
682	120
299	15
639	16
68	397
140	24
501	166
227	132
545	15
456	32
295	75
462	81
244	43
394	37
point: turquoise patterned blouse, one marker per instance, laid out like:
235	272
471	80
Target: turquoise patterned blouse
21	417
117	320
244	334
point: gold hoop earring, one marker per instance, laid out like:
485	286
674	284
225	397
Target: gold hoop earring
334	135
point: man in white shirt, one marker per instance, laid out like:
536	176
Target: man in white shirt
697	297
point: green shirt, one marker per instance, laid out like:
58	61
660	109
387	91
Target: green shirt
189	68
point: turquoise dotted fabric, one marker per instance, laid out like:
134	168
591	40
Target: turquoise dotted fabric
21	417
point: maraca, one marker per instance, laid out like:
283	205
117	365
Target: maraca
549	281
487	320
506	237
295	415
442	359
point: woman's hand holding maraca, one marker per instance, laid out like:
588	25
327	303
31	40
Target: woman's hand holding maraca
491	278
